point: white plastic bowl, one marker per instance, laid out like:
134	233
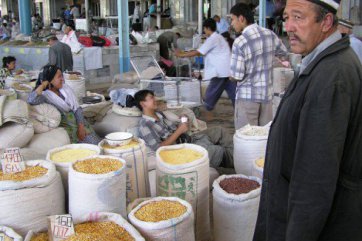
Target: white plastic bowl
119	138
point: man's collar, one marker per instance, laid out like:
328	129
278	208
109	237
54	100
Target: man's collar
150	118
308	59
249	27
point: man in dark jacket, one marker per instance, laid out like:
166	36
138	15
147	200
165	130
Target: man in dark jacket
60	54
312	184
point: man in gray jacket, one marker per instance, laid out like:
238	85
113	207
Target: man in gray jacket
312	183
60	54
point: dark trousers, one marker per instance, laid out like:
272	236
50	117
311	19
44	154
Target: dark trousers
215	89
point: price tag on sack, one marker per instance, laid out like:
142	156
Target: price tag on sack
2	237
12	161
60	227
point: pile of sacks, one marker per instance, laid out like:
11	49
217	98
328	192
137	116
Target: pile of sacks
31	128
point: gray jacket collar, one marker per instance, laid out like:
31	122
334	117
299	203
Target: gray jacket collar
335	47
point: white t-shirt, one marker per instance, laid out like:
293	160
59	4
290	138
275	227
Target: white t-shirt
217	57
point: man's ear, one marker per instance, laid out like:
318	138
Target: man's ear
327	22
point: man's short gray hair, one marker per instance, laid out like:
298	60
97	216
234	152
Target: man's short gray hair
322	12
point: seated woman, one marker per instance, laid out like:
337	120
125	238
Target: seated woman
51	89
9	64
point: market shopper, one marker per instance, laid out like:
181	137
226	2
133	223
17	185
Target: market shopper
156	130
311	187
167	40
136	13
222	25
71	39
9	65
60	54
217	65
251	66
345	27
51	89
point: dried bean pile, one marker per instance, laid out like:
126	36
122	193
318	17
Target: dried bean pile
238	185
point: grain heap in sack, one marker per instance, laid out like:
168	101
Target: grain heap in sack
28	197
135	156
249	144
9	234
96	227
258	168
97	184
164	218
235	207
64	156
183	172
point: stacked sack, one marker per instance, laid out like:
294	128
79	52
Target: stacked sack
28	197
135	156
183	172
235	207
100	226
10	234
15	128
249	145
77	82
164	218
97	184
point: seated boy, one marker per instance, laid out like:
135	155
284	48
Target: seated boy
156	130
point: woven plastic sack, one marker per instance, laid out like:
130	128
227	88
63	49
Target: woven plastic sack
178	229
137	169
249	144
234	215
189	182
45	117
26	205
102	192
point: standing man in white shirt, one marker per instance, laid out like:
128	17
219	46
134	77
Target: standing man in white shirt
75	12
222	25
71	39
137	13
217	65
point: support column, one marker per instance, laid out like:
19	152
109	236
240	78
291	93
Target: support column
123	34
24	17
86	3
158	11
262	13
200	15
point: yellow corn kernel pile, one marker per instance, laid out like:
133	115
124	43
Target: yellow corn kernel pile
97	166
93	231
180	156
100	231
27	174
71	155
260	163
40	237
160	210
133	143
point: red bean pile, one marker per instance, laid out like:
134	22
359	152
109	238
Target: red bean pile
238	185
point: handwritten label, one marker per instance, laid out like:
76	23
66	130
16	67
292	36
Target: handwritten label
60	227
13	161
22	51
38	51
6	50
2	237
